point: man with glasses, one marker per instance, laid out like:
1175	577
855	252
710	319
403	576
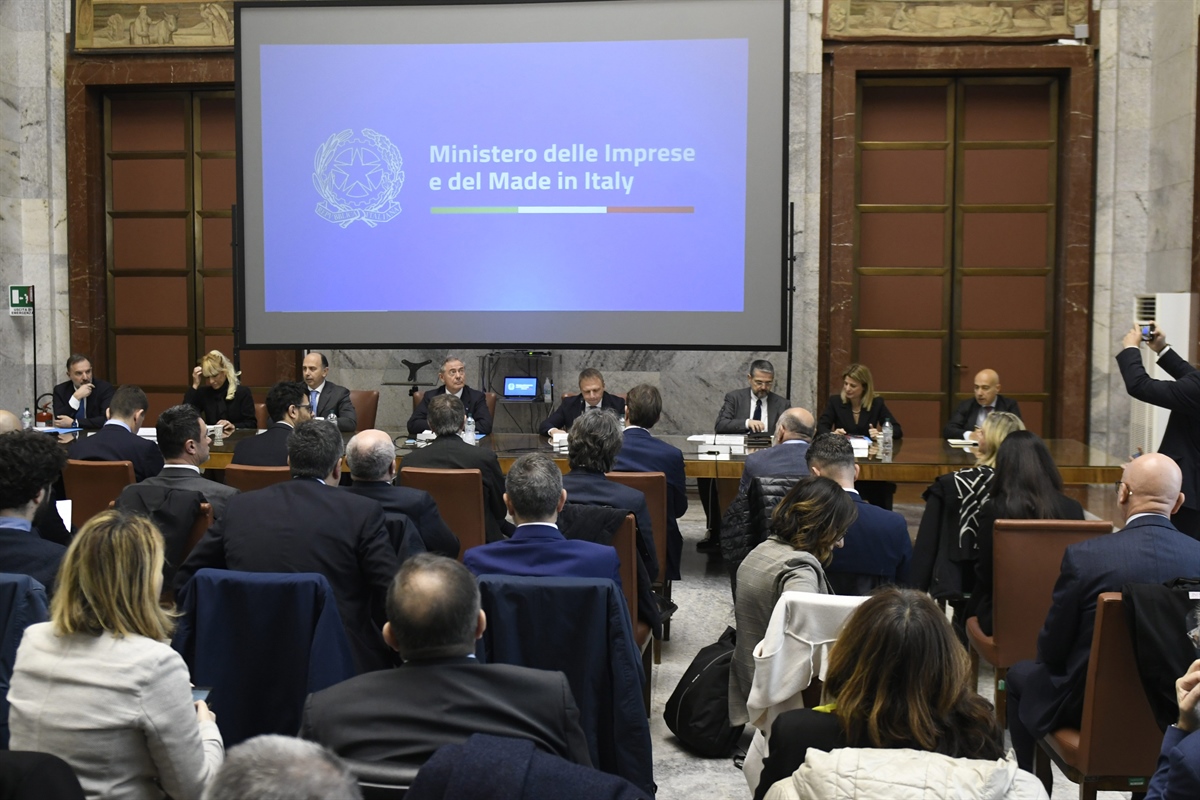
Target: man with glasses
453	375
752	410
287	405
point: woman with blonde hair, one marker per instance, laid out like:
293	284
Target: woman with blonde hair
806	526
857	411
221	400
947	545
897	679
99	686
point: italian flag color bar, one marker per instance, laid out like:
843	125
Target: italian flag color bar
562	209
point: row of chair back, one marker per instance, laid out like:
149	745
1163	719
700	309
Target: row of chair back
366	408
654	486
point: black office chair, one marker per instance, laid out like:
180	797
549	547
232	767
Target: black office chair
382	780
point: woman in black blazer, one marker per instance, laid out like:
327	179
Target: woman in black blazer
857	411
222	400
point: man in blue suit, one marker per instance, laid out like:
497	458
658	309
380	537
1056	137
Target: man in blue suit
118	440
1178	773
786	456
30	463
877	549
534	495
641	452
592	397
1047	694
594	442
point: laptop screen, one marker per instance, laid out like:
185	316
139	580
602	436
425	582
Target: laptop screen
520	387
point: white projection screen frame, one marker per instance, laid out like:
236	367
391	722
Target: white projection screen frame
567	174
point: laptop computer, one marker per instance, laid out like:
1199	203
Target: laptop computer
520	388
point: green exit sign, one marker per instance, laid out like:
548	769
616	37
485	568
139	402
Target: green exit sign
20	301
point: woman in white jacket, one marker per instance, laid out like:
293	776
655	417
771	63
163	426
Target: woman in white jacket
904	721
99	686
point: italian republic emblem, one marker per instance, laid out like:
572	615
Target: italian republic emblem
358	177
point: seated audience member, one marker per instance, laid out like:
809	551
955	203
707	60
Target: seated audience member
1047	694
442	694
967	420
946	548
183	439
785	457
99	686
1178	774
534	496
594	441
46	521
641	452
1026	486
591	397
807	525
222	400
81	401
454	382
371	456
118	439
448	451
30	463
326	397
877	548
287	406
274	767
308	524
897	680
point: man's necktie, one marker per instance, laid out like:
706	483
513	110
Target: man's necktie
312	401
81	412
757	409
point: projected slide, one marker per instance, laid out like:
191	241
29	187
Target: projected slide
592	176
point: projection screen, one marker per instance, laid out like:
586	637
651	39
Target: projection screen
553	174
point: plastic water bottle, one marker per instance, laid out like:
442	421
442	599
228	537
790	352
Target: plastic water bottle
27	419
331	418
469	431
547	392
886	440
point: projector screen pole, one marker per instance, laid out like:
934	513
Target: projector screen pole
237	283
791	292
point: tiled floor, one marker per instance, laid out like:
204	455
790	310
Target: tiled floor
705	609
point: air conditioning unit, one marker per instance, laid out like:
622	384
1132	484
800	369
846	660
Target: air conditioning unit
1176	314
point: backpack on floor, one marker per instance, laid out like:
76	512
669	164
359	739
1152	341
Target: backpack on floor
698	710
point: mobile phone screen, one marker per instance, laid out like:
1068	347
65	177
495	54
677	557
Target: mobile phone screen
200	692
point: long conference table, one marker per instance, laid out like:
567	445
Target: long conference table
913	460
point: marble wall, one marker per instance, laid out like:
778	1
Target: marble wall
33	242
1146	126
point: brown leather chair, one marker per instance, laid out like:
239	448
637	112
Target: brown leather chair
247	479
459	497
261	416
625	542
366	404
654	486
92	485
488	397
200	526
1116	746
1027	556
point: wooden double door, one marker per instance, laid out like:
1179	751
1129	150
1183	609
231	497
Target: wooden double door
956	216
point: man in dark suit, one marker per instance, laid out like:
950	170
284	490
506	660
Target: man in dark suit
594	441
877	548
372	459
183	440
118	439
30	462
287	406
448	451
751	410
326	397
1047	694
308	524
786	457
591	396
1181	439
442	694
81	401
454	381
641	452
534	496
968	418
